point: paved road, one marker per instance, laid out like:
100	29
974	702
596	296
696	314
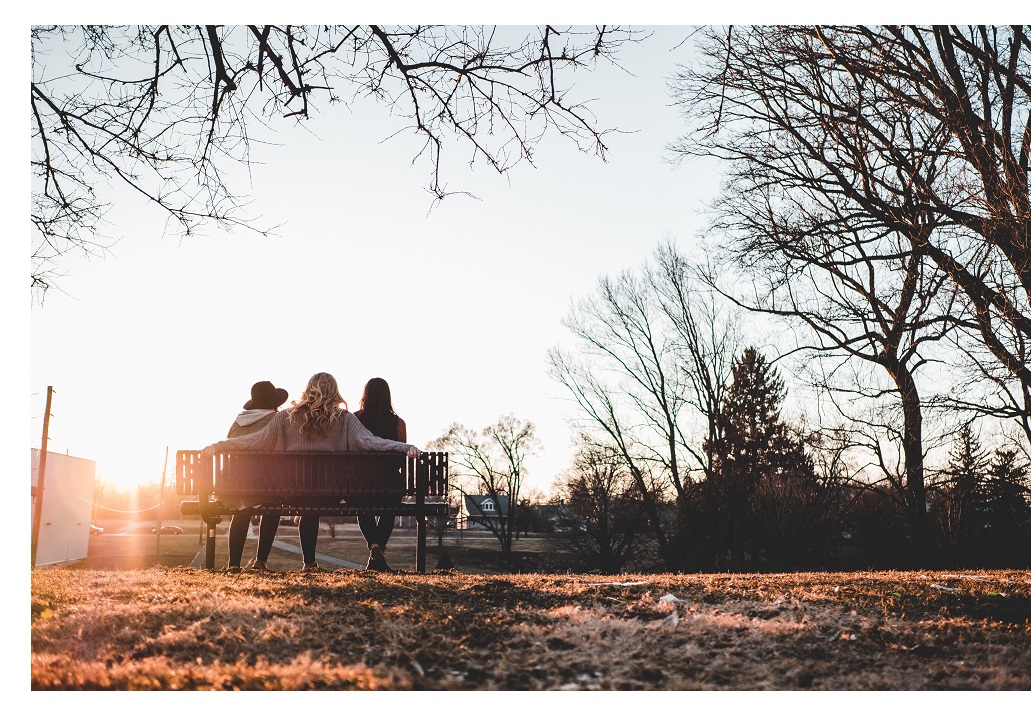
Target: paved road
198	560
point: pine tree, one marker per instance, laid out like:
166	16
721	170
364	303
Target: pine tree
1008	524
750	417
962	516
756	446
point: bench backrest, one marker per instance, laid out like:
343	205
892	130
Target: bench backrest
286	475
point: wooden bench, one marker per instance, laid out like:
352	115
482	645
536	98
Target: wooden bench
313	484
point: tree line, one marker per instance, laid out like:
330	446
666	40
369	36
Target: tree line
688	460
875	208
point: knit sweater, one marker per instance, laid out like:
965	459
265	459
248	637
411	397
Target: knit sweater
345	433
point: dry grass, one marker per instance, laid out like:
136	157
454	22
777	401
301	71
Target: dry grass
180	628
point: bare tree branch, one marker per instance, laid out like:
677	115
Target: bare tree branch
163	108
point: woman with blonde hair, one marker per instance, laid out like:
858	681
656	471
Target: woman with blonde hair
318	421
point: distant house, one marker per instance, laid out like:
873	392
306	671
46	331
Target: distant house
560	518
482	512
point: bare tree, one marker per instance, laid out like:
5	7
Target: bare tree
163	109
856	298
604	517
440	526
919	132
651	361
492	461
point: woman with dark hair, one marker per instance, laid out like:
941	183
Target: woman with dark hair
315	422
377	415
257	413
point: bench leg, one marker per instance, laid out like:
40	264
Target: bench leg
209	548
420	549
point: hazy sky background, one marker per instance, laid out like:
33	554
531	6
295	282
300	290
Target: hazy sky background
157	344
455	305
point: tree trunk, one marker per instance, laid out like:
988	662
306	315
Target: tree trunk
652	511
913	452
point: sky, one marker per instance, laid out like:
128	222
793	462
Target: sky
455	304
155	345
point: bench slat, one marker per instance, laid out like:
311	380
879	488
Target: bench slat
327	474
312	508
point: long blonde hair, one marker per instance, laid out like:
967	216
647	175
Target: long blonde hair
318	406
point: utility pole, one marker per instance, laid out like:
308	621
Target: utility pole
37	509
161	501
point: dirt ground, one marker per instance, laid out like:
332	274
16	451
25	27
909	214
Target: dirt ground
185	629
127	618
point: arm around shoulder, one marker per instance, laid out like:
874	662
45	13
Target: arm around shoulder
263	440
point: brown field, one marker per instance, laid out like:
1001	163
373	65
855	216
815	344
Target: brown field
176	628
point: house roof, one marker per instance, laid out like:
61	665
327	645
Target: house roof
473	504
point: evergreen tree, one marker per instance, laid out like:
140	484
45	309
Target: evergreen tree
1008	524
961	516
756	447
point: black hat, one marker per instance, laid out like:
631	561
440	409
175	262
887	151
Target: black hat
264	395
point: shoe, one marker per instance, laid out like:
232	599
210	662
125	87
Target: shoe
257	565
313	567
377	561
230	569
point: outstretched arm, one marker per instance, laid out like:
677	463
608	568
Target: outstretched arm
264	440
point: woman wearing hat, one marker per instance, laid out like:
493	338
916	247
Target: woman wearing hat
318	421
257	413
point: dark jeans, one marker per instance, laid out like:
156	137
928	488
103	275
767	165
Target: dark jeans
238	535
376	532
308	528
308	533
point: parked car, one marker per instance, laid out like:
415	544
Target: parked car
167	530
95	529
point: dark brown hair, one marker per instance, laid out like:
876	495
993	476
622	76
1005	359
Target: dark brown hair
375	411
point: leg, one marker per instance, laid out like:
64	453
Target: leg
308	532
384	529
376	530
367	524
238	536
266	535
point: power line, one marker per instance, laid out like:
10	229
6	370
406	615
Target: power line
105	508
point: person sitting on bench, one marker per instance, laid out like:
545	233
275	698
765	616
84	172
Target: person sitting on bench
376	412
315	422
257	412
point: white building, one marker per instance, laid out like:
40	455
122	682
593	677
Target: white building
482	512
67	508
